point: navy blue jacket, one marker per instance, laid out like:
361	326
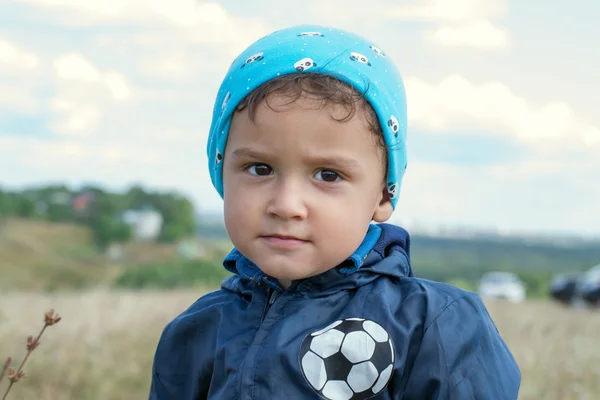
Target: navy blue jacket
252	340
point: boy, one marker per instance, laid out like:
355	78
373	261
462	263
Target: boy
307	149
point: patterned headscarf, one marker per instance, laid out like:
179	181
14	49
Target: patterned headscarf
343	55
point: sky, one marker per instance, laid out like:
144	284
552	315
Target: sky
503	133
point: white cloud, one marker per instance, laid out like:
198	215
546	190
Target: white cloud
19	70
33	151
74	118
200	21
17	97
178	12
459	22
62	154
99	11
189	12
173	37
14	57
169	64
458	104
75	66
591	135
83	92
118	86
449	11
480	33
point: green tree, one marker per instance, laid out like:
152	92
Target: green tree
537	283
103	219
7	205
178	216
108	229
24	207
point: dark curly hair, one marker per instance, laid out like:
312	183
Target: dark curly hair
321	87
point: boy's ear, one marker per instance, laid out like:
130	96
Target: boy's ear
384	209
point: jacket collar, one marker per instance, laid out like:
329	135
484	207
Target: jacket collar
385	250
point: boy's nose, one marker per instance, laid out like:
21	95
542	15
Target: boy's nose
287	201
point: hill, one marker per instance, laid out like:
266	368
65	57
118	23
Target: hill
47	256
37	255
450	258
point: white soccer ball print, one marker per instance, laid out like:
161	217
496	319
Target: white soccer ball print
351	359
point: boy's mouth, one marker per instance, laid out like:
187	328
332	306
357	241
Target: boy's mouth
284	237
278	240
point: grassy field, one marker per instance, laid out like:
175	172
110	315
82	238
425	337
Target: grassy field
103	347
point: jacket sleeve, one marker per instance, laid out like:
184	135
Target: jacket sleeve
463	357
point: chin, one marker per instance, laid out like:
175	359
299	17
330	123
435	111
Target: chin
278	274
286	277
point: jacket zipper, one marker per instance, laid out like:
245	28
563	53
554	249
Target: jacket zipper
273	296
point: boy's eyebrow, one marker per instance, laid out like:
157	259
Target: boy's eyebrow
335	160
341	162
247	152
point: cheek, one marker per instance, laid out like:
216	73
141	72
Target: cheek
233	191
231	202
236	221
366	196
234	205
241	206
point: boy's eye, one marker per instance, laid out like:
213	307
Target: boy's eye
260	169
327	176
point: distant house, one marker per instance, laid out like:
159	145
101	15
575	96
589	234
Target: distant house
146	223
82	201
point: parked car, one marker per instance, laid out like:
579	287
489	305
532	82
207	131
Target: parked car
501	285
563	287
589	289
577	289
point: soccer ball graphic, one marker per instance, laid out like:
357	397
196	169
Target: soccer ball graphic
350	359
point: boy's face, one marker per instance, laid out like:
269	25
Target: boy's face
301	188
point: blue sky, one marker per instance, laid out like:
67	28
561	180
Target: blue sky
504	131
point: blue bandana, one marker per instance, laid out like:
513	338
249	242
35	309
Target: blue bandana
308	48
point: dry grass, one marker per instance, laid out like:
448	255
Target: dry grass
103	348
556	347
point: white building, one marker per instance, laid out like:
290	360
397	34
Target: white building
145	224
